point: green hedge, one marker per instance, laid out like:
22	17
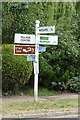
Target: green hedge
16	70
58	77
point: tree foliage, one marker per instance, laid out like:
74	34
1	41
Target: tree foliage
59	65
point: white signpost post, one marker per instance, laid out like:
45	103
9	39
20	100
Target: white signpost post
36	63
36	40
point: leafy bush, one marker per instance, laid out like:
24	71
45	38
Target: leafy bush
16	70
59	76
72	85
46	73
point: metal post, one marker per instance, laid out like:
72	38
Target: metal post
36	64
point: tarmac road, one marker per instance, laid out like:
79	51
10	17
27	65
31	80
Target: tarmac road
29	98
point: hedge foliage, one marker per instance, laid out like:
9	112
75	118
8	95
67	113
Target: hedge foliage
16	70
58	78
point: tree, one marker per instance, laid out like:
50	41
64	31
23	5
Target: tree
20	18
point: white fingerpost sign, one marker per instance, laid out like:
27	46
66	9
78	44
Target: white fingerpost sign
47	40
24	38
46	30
37	40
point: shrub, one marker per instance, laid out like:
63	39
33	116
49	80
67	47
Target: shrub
46	73
72	85
16	70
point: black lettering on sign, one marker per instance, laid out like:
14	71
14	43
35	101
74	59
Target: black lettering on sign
43	29
28	37
25	40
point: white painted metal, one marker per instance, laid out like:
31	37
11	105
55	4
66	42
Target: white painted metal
45	30
37	39
51	40
36	64
24	38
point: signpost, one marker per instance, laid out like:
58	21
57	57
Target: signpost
36	63
27	49
31	57
48	40
24	50
42	49
24	38
33	50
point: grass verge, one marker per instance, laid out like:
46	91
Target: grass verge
41	92
21	108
